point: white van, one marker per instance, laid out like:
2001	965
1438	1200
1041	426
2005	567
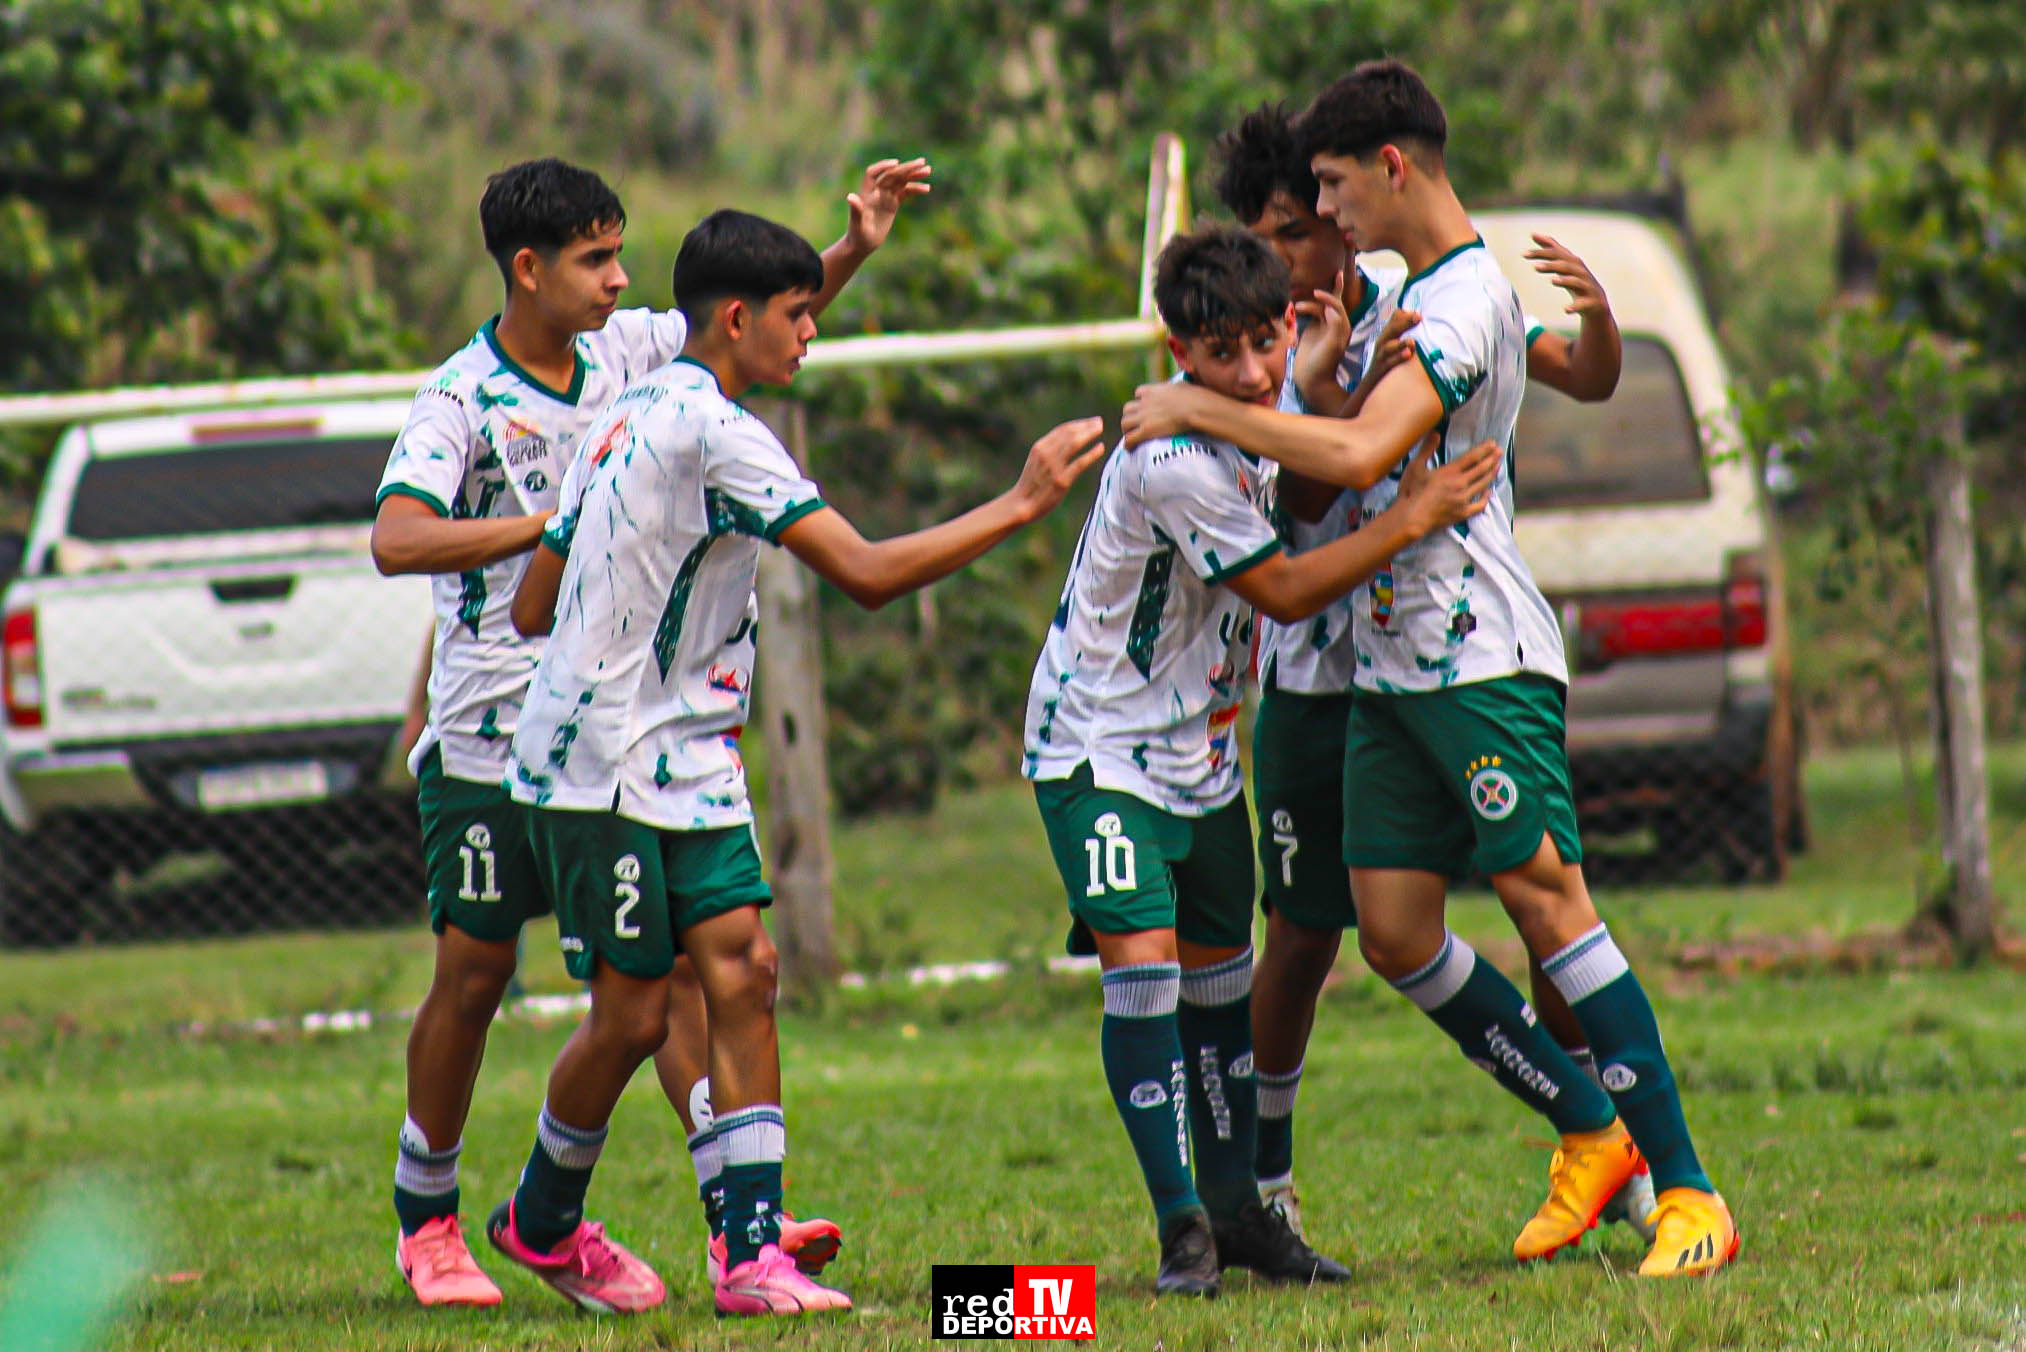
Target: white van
1650	531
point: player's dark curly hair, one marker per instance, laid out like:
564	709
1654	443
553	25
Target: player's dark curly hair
737	254
543	205
1219	282
1262	156
1379	103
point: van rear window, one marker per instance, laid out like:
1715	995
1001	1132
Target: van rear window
1641	445
241	487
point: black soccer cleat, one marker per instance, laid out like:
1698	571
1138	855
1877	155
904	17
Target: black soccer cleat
1188	1258
1260	1240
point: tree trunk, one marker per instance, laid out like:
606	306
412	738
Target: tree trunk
792	727
1966	909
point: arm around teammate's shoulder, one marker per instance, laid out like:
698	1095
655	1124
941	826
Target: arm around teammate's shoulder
1290	588
413	536
1587	367
534	604
874	572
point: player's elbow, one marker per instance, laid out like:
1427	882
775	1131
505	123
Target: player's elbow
388	555
1286	608
531	621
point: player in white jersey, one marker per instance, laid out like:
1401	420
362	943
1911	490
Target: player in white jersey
1456	757
1130	742
471	480
1350	337
626	757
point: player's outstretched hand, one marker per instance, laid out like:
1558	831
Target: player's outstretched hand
886	186
1055	463
1163	410
1459	490
1553	260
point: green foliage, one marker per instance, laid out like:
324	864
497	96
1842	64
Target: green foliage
146	237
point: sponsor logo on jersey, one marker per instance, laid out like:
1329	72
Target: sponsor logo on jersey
729	680
1382	599
1223	722
614	434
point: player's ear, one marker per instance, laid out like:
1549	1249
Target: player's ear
1180	354
526	269
733	317
1394	161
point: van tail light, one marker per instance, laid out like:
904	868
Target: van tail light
21	670
1681	623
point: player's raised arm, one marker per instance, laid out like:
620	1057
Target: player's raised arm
887	185
1587	367
874	572
1288	588
1354	452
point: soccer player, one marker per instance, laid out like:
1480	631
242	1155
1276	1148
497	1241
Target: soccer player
627	759
1456	757
1130	743
1352	335
471	481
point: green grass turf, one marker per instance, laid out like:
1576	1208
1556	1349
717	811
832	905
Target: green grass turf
1870	1131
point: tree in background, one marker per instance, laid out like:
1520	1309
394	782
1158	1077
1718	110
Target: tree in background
144	236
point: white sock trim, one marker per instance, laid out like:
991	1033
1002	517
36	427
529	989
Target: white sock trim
1221	983
1277	1092
1434	985
570	1147
707	1156
1586	966
1146	990
755	1135
420	1170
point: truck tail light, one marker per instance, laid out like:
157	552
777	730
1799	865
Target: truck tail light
21	670
1682	623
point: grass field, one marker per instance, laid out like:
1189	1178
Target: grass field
1869	1129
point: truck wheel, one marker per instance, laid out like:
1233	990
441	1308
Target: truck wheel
44	890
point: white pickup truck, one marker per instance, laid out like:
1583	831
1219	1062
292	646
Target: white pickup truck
200	659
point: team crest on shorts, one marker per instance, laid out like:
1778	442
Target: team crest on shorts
1492	791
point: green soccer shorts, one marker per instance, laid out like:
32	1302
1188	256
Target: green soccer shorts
476	861
626	891
1129	866
1298	786
1461	780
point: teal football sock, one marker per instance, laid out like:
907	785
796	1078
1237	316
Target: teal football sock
1214	1020
755	1143
1474	1003
1144	1069
1609	1002
1274	1158
549	1204
425	1180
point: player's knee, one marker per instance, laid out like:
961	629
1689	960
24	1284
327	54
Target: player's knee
759	972
1384	954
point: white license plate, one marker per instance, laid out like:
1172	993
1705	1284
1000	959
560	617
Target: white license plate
262	785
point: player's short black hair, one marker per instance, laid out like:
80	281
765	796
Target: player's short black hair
737	254
1261	156
1378	103
543	205
1219	282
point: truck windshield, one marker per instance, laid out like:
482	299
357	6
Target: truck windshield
245	486
1642	445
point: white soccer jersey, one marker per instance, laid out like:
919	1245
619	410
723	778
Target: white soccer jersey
1461	604
485	439
1143	668
1316	656
641	696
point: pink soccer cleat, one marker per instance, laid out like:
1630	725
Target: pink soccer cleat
812	1244
438	1266
587	1268
772	1284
